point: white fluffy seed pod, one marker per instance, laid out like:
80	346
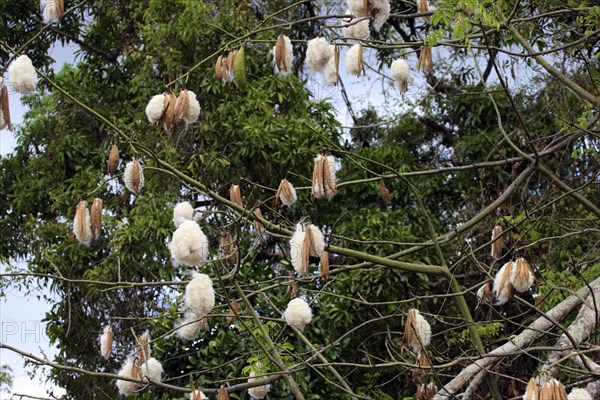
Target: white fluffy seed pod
485	293
354	64
503	288
296	243
297	314
318	241
193	109
183	212
331	73
106	340
155	108
399	71
287	193
579	394
52	10
82	226
152	370
380	12
22	75
318	54
357	7
357	30
521	276
257	392
200	295
283	56
417	333
298	254
189	328
324	183
189	245
127	388
133	177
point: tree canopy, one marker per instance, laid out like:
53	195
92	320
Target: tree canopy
493	145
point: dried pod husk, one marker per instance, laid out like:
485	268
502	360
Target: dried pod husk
222	394
229	63
283	55
235	195
228	250
197	394
503	288
286	193
181	105
423	7
324	183
96	218
559	391
425	60
259	228
134	176
113	160
485	293
307	245
385	193
233	311
82	228
532	392
5	120
142	347
522	277
497	242
417	333
106	340
423	363
426	391
292	290
168	117
219	70
324	265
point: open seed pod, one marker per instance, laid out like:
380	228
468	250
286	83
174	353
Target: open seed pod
485	293
283	55
82	228
385	193
228	250
233	311
425	60
532	392
222	394
235	195
181	105
503	288
426	391
52	10
168	117
417	333
324	182
522	277
106	341
324	265
134	176
259	228
292	290
142	347
286	193
423	7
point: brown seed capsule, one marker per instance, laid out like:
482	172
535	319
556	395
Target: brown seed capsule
324	265
229	65
292	290
5	107
497	243
280	53
235	195
423	7
425	60
228	250
142	347
134	176
181	105
307	245
503	288
532	392
219	73
136	371
385	193
81	224
222	394
259	228
96	218
113	160
233	312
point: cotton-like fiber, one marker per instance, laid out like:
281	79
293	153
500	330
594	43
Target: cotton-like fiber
182	212
357	7
82	226
106	340
257	392
354	60
198	395
485	293
579	394
200	295
318	241
127	388
155	108
318	54
189	328
417	333
399	71
189	245
152	370
52	10
380	12
193	110
296	243
287	193
22	75
133	177
324	182
331	72
297	314
357	30
283	56
503	288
